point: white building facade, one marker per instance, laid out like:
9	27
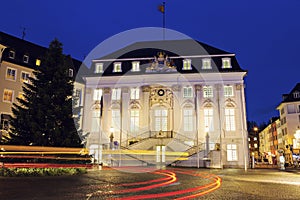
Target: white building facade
160	102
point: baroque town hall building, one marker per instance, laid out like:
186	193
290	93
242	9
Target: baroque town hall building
177	102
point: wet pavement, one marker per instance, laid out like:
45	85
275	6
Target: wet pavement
171	183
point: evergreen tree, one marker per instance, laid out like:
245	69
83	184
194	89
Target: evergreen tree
44	116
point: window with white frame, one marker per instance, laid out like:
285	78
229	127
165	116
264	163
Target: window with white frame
116	119
135	66
117	67
231	152
206	63
116	94
8	95
187	119
71	72
228	91
11	74
97	94
134	120
226	63
11	54
134	93
187	92
98	68
25	77
187	64
78	95
229	119
296	95
95	121
25	58
208	92
208	118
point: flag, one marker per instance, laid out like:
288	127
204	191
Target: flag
161	8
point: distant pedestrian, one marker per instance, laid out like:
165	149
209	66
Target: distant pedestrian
282	162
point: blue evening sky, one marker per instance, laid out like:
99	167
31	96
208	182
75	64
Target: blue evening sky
264	35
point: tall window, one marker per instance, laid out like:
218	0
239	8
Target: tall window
134	120
187	64
116	119
97	94
228	91
8	95
206	63
161	120
78	95
99	68
226	63
116	94
208	118
229	119
95	120
25	77
117	67
208	92
135	66
188	119
187	92
134	93
231	152
11	74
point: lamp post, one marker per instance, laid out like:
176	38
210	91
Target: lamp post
111	137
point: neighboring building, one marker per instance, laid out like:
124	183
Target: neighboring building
18	59
253	143
167	96
289	110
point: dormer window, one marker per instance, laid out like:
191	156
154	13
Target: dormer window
98	68
25	58
38	62
71	72
117	67
296	95
206	63
135	66
226	64
11	54
187	64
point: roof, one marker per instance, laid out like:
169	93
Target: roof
33	51
174	50
293	96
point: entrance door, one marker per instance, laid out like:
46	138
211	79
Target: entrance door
160	119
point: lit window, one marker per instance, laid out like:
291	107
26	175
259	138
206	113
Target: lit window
25	77
117	67
208	118
21	95
187	92
135	66
116	94
188	119
11	54
97	94
38	62
25	58
226	63
11	74
228	91
255	145
99	68
8	95
249	139
231	152
134	93
187	64
71	72
208	92
134	120
161	120
229	119
206	63
255	138
249	146
115	113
